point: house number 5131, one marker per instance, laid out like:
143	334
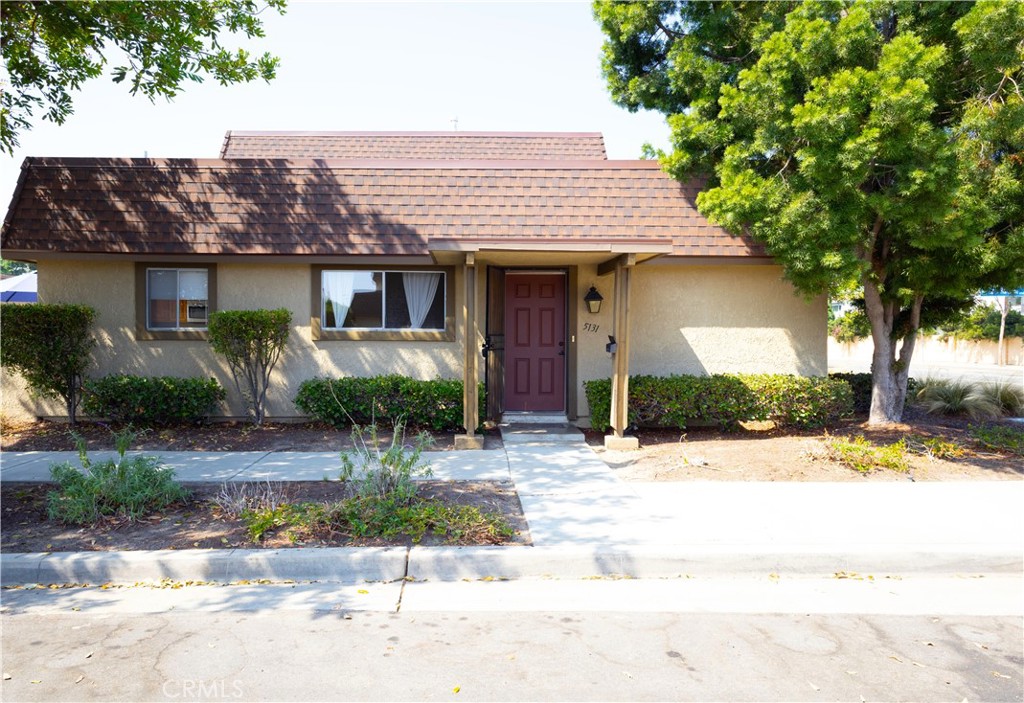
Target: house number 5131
590	327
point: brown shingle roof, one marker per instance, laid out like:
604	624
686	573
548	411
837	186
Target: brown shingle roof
414	145
265	206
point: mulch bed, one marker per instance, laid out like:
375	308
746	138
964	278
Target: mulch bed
24	526
48	436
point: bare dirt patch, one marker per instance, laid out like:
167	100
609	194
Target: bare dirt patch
48	436
24	526
758	452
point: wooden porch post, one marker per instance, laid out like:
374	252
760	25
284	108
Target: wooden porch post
620	373
470	362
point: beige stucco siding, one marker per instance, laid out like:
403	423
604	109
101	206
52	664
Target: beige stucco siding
705	319
110	288
686	318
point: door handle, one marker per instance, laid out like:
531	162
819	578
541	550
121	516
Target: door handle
561	348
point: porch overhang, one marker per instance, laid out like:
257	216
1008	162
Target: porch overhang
536	251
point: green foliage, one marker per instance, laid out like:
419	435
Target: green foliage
864	456
434	405
51	48
876	144
1001	438
860	383
128	487
151	401
725	400
981	401
378	517
850	327
982	322
385	470
15	268
935	447
252	341
49	345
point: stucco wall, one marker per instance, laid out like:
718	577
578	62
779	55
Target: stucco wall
705	319
110	288
931	350
692	319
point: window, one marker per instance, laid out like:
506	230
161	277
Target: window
174	300
383	300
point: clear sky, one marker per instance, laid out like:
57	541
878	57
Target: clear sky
516	66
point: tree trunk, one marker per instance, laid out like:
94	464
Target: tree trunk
1004	309
889	374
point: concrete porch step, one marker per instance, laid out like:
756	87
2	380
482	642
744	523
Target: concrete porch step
530	433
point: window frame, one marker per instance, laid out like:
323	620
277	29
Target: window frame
142	329
320	333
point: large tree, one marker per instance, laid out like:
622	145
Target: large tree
50	48
879	143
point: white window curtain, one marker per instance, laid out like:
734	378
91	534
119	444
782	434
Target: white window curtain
420	289
339	287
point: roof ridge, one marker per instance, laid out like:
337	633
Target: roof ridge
261	163
406	133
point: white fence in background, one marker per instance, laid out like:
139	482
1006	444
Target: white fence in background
932	350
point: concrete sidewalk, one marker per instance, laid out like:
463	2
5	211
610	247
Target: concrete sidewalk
585	521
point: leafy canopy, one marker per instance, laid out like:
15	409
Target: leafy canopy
51	48
876	144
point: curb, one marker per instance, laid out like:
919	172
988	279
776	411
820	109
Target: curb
359	564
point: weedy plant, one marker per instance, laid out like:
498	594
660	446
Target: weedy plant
1001	438
864	456
127	487
935	447
382	469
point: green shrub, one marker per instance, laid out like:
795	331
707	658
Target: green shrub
434	405
49	345
860	384
385	470
943	396
126	487
724	400
1006	396
252	341
851	327
152	401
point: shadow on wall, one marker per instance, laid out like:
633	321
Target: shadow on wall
251	206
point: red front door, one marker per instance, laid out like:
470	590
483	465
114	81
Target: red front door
534	342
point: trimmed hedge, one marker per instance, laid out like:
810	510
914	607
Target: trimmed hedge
724	400
434	405
50	346
152	401
860	383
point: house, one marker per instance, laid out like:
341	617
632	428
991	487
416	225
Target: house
470	255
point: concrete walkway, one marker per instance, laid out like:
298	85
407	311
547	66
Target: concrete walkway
584	520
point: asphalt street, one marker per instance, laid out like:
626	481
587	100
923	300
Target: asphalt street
846	637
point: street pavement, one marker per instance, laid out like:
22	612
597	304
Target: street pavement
632	591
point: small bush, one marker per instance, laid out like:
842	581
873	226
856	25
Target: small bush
941	396
252	342
1001	438
387	470
49	345
724	400
126	487
1006	396
152	401
341	402
862	455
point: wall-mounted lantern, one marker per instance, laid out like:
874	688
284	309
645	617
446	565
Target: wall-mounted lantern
593	300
